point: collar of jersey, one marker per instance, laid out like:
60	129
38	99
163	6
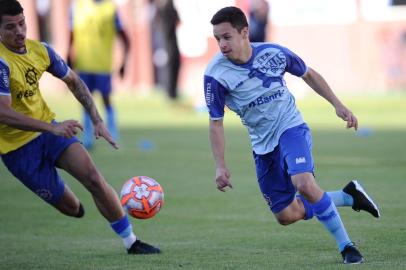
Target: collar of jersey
249	62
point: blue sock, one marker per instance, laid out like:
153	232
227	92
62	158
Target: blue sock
123	228
88	131
307	206
340	198
327	214
111	122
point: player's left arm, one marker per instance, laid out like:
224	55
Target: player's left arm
296	66
321	87
82	94
59	69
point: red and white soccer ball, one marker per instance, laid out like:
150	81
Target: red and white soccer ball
142	197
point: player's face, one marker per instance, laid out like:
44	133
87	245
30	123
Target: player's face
231	43
13	31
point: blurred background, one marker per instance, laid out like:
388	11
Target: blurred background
358	45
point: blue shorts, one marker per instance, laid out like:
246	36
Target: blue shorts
293	155
34	164
97	81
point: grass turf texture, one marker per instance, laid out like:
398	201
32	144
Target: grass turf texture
200	227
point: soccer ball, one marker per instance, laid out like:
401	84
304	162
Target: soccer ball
142	197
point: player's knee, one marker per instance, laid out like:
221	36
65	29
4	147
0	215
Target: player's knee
289	215
285	218
284	221
305	187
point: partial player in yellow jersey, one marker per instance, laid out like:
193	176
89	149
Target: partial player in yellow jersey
94	27
33	144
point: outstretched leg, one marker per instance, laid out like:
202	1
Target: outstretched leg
292	161
77	162
321	205
326	212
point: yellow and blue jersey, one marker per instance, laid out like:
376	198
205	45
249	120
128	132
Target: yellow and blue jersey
94	25
19	79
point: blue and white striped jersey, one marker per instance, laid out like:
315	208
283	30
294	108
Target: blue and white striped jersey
257	92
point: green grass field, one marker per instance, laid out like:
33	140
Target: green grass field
200	227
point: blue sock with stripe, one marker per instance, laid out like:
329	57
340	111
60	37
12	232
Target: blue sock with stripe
123	228
327	214
307	206
340	198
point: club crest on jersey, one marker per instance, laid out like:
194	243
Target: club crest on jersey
269	67
270	63
31	76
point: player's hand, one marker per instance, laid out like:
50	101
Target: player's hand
68	128
100	130
348	116
223	179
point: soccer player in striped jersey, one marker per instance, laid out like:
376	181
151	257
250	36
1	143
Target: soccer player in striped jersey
33	145
248	79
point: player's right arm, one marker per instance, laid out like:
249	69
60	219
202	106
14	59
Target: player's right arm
217	141
10	117
215	100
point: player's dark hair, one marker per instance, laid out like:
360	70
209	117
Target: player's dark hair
10	7
232	15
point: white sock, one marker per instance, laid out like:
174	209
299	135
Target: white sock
129	240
